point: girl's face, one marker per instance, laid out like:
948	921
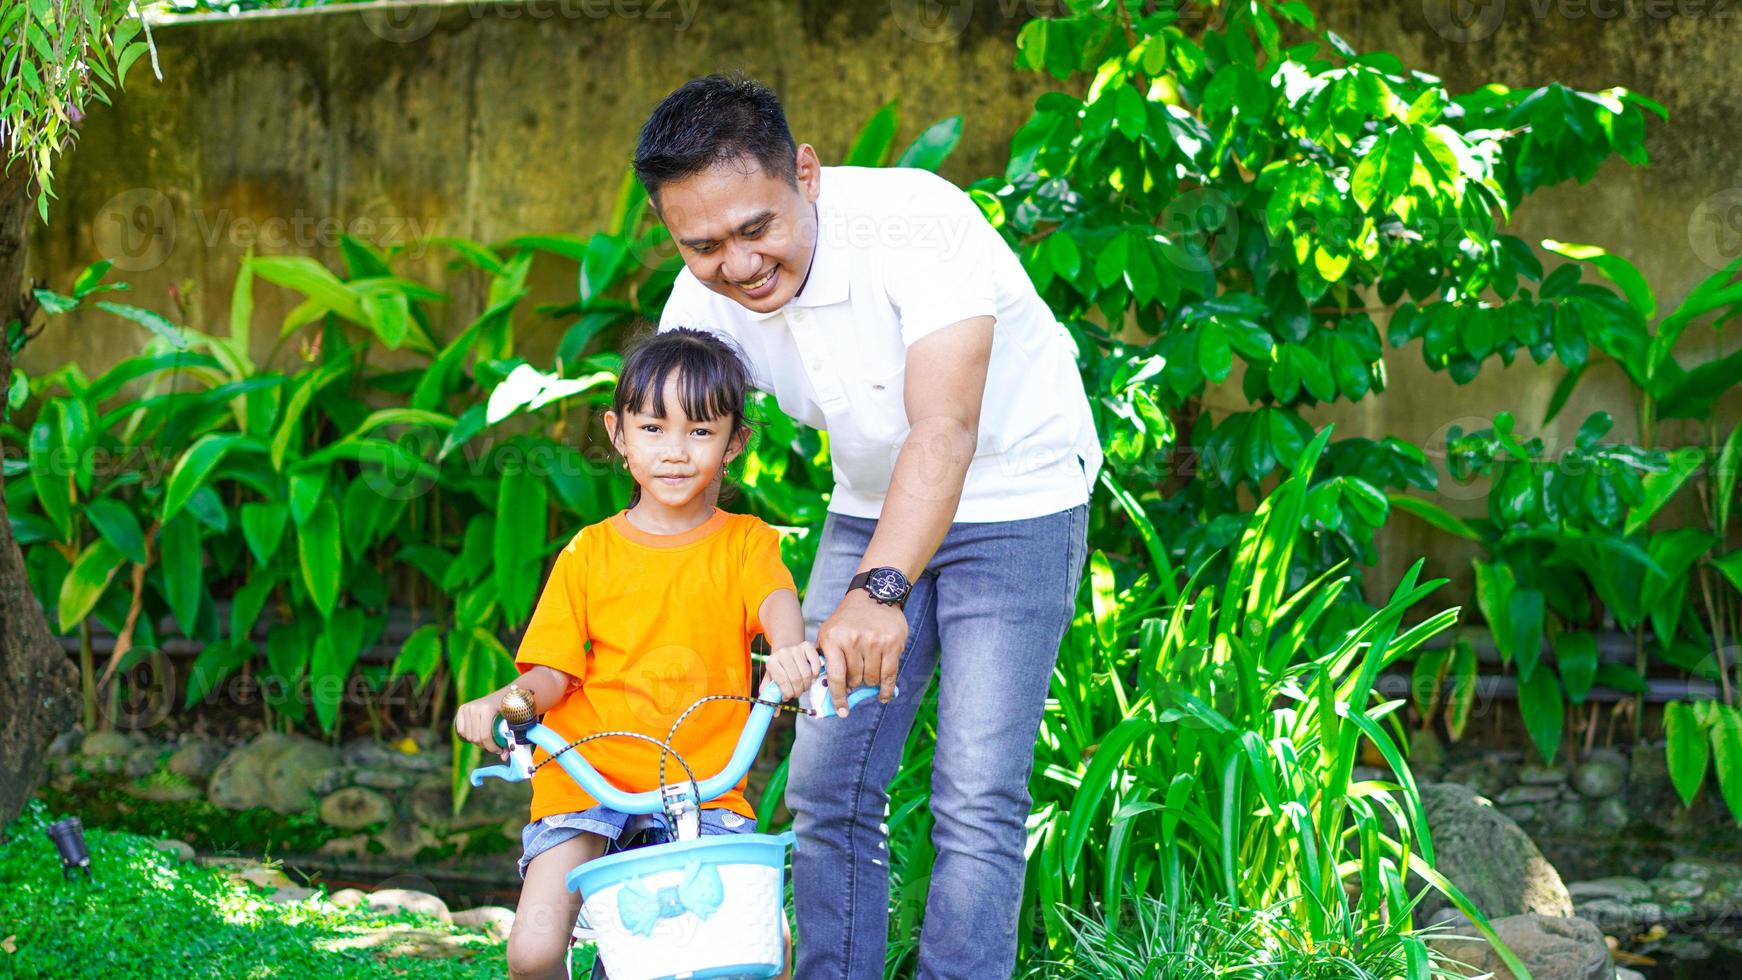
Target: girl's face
674	458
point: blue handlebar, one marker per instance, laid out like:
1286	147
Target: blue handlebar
520	763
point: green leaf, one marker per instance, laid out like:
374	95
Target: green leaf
1540	702
330	662
183	575
263	528
1617	269
931	148
1620	677
1575	654
51	474
1727	756
114	520
1462	698
307	488
245	607
1662	485
192	469
318	549
1688	750
154	322
1524	622
420	654
1104	600
1110	263
84	585
1215	355
871	147
518	547
1433	514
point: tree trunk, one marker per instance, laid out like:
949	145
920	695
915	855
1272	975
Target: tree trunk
38	684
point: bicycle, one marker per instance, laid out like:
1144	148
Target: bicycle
693	907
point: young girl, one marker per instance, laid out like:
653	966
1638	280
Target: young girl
644	613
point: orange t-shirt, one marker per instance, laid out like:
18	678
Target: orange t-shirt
669	619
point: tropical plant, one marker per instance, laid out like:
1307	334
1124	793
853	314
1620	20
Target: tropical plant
1234	196
55	58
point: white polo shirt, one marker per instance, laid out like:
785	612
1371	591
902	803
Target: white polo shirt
901	253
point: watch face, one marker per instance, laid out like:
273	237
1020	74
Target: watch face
886	584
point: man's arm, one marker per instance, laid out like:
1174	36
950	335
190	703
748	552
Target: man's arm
945	381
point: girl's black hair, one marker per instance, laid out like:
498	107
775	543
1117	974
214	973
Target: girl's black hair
713	380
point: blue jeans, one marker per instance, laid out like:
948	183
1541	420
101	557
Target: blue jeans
995	600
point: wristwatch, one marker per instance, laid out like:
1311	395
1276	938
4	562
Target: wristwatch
886	585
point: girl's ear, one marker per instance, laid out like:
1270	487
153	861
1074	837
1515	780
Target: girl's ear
740	439
613	432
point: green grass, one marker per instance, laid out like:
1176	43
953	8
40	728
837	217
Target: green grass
155	917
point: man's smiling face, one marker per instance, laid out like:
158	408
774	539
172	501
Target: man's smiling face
744	233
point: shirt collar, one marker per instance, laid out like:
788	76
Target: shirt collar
827	282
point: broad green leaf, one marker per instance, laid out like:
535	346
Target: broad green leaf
1541	704
192	469
52	477
183	572
263	528
115	521
420	654
1462	697
1433	514
1727	756
521	509
1104	600
1662	485
1524	629
84	585
1576	656
318	549
216	661
1688	750
931	148
871	146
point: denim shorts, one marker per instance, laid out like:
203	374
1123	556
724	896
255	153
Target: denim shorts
619	829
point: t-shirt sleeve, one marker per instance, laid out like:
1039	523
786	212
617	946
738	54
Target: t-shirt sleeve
557	635
764	572
943	272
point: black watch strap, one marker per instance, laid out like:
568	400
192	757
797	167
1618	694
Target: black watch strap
891	588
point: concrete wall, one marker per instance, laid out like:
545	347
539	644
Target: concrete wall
492	120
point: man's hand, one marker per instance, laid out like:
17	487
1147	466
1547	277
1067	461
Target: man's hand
861	642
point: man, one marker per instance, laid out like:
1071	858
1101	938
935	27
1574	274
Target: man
879	304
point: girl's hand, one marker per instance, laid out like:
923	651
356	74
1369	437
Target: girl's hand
794	668
475	722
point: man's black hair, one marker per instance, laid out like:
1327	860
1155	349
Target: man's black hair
710	120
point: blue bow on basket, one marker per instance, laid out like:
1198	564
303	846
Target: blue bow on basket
700	891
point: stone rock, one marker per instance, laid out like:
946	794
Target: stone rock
1677	889
389	900
494	921
384	778
261	875
67	742
100	744
356	845
292	772
1528	793
1612	813
162	790
354	808
142	762
291	894
1520	812
404	839
332	779
1551	947
1622	887
1623	973
432	804
1619	916
181	850
405	755
1695	869
1534	775
1599	777
196	760
239	781
347	898
1486	855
